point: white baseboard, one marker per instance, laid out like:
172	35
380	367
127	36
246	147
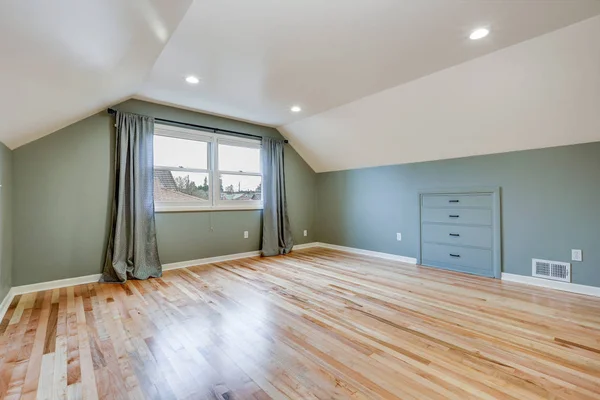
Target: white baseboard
228	257
305	245
564	286
209	260
36	287
61	283
5	303
387	256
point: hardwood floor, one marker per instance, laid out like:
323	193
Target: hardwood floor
317	324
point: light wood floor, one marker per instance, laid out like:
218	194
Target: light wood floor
318	324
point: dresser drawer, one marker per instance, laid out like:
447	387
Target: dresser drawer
464	259
457	200
459	235
457	216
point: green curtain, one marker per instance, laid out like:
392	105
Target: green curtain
132	250
277	235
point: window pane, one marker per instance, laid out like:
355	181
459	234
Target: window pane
240	187
180	153
239	159
180	186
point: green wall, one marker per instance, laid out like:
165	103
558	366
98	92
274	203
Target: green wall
62	185
62	197
550	205
6	247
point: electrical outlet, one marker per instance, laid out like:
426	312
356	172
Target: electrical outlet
245	234
576	255
398	236
305	232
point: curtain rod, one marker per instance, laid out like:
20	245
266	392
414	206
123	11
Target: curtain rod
209	128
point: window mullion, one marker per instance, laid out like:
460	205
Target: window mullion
240	173
214	155
178	169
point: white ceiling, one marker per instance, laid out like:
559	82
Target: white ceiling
62	61
257	58
540	93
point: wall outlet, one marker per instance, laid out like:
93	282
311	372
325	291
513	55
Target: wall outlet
576	255
245	234
305	232
398	236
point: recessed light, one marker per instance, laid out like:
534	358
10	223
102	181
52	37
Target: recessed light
479	33
192	79
296	109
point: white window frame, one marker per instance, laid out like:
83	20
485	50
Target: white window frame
214	201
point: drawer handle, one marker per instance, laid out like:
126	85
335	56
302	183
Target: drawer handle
453	201
455	234
454	255
454	216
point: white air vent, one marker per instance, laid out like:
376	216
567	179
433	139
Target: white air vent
555	270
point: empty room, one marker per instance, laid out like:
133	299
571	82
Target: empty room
278	199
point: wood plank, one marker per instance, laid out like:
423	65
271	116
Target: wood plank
314	324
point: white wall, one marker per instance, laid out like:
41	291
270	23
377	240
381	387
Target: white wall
539	93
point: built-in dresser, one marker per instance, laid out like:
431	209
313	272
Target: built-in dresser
460	230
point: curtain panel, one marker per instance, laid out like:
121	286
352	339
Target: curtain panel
132	250
277	235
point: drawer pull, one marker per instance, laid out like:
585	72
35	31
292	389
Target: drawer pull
453	201
455	234
454	216
454	255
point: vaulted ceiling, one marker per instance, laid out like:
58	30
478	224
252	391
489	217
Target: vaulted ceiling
540	93
62	61
364	73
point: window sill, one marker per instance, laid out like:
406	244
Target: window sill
165	209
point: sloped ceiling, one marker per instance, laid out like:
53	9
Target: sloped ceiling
65	60
62	61
539	93
257	58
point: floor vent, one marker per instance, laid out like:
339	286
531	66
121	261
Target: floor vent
555	270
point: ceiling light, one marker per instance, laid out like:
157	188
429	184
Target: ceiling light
192	79
479	33
296	109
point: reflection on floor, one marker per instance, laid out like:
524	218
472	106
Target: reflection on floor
317	324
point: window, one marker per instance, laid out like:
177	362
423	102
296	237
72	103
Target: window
196	170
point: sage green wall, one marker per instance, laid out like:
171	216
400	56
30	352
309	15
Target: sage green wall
6	250
62	198
550	202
